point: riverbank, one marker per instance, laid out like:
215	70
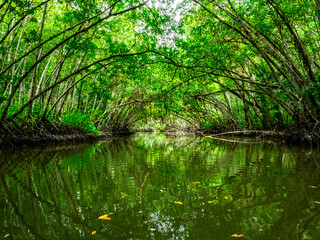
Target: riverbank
43	140
45	132
73	135
309	135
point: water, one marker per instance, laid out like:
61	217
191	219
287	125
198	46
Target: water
154	186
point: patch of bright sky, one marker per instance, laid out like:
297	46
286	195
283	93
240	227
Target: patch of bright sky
176	10
175	6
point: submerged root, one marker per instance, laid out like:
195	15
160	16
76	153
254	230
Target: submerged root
309	134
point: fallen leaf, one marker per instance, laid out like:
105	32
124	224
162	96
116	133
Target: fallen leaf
225	197
105	217
237	235
312	187
317	202
196	182
94	232
7	235
177	202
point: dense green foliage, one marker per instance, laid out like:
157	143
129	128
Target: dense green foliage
202	64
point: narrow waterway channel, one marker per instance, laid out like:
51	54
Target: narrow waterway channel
154	186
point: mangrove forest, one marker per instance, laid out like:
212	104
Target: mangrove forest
77	67
160	119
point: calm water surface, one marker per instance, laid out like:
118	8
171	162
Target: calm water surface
154	186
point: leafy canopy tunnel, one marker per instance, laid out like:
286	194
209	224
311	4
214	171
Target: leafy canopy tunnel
94	65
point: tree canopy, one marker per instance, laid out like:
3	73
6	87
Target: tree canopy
114	65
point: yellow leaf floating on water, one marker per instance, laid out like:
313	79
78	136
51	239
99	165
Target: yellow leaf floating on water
237	235
105	217
196	182
312	187
94	232
177	202
317	202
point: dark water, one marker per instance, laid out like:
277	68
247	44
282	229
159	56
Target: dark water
260	190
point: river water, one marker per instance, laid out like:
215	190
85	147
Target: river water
154	186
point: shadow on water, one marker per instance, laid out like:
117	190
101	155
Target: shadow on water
261	190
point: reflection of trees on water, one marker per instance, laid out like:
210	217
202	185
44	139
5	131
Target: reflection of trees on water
258	189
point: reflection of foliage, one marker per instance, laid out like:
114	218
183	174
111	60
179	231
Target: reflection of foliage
259	190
